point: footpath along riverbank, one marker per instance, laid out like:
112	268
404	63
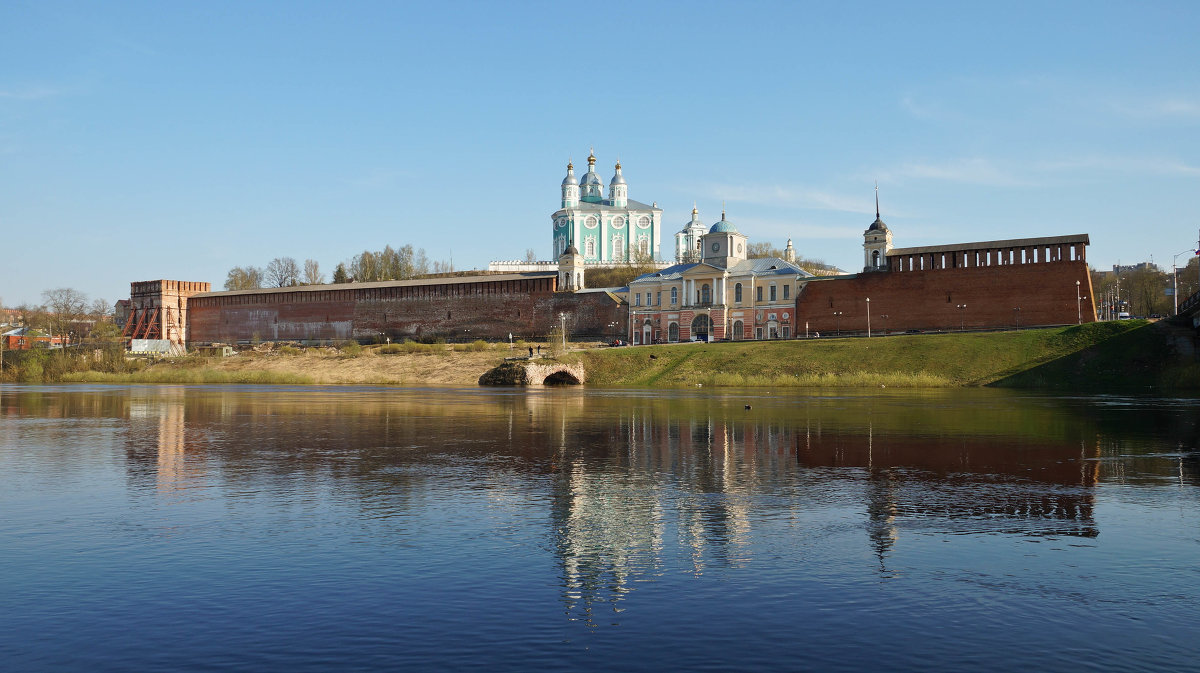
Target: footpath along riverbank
1120	355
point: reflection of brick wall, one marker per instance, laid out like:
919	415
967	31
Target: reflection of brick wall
928	300
474	308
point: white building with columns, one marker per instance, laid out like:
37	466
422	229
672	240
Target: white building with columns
722	295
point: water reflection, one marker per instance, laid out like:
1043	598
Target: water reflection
634	485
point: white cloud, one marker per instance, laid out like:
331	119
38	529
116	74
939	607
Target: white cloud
1150	165
977	171
31	93
1162	108
802	197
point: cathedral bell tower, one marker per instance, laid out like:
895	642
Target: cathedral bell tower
618	191
570	188
877	241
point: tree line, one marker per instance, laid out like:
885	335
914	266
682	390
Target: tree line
1143	290
67	312
368	266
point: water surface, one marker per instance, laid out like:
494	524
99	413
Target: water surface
191	528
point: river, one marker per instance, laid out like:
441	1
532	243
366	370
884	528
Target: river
193	528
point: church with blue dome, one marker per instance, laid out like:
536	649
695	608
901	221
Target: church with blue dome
612	230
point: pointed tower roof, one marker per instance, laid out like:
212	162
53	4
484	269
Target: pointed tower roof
878	224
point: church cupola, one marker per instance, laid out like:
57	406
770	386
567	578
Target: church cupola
618	191
877	241
723	246
591	185
570	188
687	241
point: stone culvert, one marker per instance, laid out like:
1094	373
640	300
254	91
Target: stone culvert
532	374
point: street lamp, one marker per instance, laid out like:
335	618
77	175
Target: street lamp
1079	311
961	316
1017	316
838	315
868	317
562	320
884	317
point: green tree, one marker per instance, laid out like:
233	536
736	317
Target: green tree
244	278
339	273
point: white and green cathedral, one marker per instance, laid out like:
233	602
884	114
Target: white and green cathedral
609	230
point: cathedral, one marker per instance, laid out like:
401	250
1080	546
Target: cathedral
609	230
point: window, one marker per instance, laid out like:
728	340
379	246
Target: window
618	221
643	222
647	299
673	332
758	295
705	294
618	247
644	245
590	247
737	293
590	222
637	299
772	293
674	295
787	332
787	290
658	298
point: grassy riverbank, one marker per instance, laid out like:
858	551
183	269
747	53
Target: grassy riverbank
1131	355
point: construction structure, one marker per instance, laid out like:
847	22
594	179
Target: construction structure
158	310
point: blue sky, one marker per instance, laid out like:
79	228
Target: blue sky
177	140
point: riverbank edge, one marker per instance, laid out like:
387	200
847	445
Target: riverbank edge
1127	355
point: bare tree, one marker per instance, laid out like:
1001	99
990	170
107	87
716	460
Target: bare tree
244	278
530	255
100	310
64	307
312	273
283	272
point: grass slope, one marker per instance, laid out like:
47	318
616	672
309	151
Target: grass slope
924	360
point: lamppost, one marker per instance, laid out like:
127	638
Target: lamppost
1017	316
1079	311
838	315
868	317
961	316
884	317
562	320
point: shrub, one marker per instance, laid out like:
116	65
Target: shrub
289	350
351	349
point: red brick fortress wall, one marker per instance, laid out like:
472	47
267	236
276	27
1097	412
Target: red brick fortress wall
476	308
1044	293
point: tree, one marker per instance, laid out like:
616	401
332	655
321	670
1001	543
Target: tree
64	306
283	272
530	255
339	273
312	273
244	278
100	310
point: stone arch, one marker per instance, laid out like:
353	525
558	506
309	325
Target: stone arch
561	378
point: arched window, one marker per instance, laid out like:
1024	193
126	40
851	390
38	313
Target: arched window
560	246
674	295
737	330
737	293
701	327
875	259
618	247
644	245
673	332
590	247
705	294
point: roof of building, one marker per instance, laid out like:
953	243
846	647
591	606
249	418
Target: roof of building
723	227
412	282
877	225
766	266
992	245
607	204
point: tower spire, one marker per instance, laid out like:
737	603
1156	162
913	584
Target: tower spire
877	199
